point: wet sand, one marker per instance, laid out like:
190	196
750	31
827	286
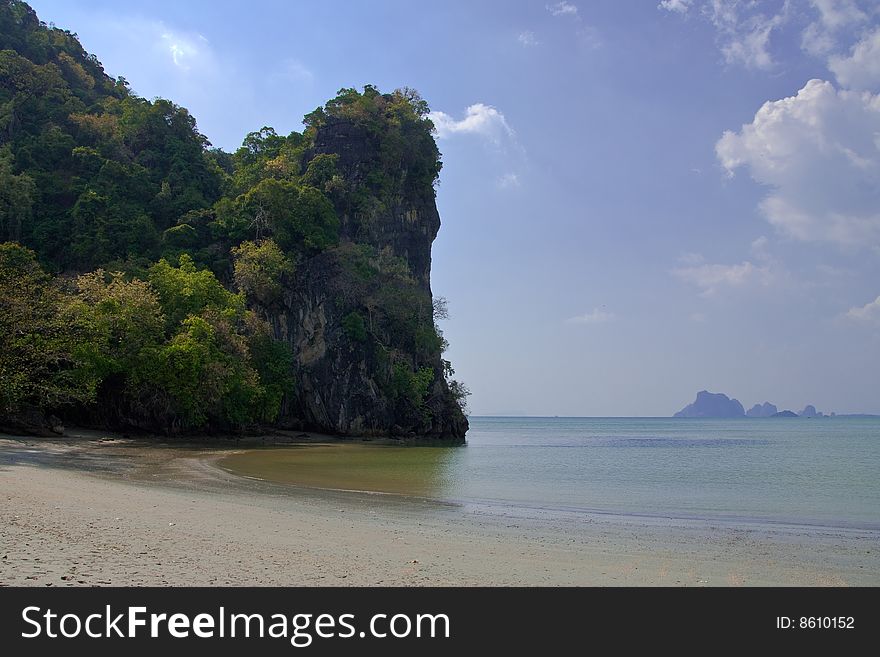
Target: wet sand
93	511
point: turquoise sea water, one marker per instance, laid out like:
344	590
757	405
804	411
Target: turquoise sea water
822	472
805	471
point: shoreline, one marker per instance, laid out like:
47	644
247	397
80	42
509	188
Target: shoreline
100	510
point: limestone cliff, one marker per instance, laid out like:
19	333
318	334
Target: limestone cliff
358	317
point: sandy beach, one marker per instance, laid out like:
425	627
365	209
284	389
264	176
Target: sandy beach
98	510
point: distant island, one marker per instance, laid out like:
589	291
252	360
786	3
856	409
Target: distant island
709	404
717	404
762	410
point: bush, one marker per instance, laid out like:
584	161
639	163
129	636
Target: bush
409	386
259	268
354	326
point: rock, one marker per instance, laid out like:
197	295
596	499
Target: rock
31	421
55	425
708	404
784	414
762	410
343	384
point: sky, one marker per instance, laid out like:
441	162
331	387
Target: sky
640	199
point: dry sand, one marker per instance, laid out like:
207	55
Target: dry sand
114	512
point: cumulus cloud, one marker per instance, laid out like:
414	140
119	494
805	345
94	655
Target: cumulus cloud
527	38
710	278
819	154
563	9
870	312
479	119
861	69
596	316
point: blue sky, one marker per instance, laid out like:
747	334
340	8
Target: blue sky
640	199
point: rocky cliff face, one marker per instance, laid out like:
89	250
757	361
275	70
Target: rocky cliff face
349	313
405	219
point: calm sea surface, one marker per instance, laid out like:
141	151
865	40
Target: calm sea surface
819	471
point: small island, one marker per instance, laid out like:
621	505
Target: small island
718	405
709	404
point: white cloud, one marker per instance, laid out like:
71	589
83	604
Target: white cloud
835	14
597	316
166	51
861	69
743	30
680	6
185	50
819	154
837	23
751	46
817	40
527	39
563	9
479	119
712	277
870	312
745	38
508	180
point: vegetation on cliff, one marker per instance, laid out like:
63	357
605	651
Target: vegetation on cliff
149	280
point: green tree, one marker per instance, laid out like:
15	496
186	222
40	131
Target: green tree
259	269
16	198
185	290
118	322
354	326
205	373
300	218
37	366
411	387
273	361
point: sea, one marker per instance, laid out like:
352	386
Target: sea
798	471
